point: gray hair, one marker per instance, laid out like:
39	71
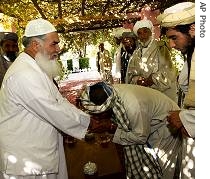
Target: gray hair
27	40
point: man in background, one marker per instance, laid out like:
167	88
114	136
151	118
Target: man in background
9	50
122	57
178	23
105	64
151	65
33	112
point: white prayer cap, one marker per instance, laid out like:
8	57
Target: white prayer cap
38	27
179	14
119	31
142	23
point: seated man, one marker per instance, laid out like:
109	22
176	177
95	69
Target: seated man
140	113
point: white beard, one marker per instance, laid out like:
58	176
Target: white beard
50	66
145	44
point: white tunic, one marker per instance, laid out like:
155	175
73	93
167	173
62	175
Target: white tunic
187	116
32	113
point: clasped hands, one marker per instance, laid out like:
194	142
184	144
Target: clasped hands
145	81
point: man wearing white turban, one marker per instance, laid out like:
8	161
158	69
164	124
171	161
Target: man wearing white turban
178	23
151	65
33	113
128	45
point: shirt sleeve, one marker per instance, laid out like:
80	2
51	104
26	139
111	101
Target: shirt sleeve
117	59
139	128
166	73
188	120
41	99
132	74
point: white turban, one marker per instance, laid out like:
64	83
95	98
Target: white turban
179	14
119	31
142	23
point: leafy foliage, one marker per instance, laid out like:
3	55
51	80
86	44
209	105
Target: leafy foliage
73	15
70	64
80	22
177	59
83	63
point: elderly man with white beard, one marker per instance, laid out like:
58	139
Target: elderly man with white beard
150	64
33	112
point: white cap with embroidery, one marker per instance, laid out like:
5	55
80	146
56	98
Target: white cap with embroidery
179	14
119	31
38	27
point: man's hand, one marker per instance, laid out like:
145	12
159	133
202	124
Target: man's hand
145	81
175	122
149	81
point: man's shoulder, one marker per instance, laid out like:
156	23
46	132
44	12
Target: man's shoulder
160	43
3	63
163	46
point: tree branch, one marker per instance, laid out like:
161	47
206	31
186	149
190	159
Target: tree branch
36	5
83	7
105	7
60	15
